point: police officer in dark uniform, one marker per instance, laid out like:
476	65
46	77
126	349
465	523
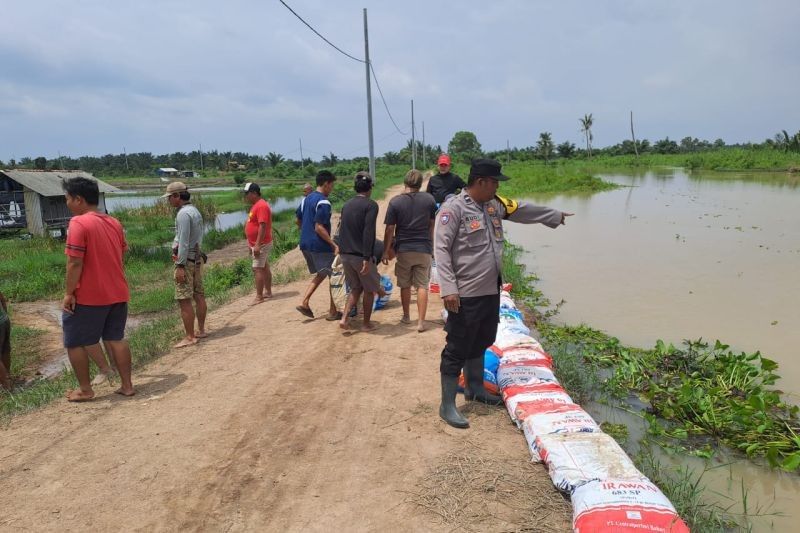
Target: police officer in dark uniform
468	248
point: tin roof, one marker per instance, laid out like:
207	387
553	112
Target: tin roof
48	182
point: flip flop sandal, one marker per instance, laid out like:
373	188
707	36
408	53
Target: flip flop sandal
305	311
337	316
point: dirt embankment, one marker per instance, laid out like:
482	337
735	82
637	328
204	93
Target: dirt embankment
278	422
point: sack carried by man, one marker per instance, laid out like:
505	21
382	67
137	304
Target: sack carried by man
338	289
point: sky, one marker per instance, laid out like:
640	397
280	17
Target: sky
86	77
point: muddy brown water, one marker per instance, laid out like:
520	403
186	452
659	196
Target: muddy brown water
676	256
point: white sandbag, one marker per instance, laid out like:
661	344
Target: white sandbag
568	418
527	353
511	326
623	506
506	302
508	339
539	398
574	459
530	372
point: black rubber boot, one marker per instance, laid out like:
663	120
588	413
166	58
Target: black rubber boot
474	389
448	410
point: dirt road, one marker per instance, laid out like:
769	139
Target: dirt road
277	422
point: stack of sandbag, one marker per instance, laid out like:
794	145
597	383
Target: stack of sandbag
608	491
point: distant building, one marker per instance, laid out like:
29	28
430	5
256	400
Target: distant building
189	174
167	172
34	200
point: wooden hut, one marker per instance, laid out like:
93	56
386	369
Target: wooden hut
34	200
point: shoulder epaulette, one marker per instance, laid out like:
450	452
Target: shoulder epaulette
509	205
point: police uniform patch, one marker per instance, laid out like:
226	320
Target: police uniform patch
490	210
474	225
444	218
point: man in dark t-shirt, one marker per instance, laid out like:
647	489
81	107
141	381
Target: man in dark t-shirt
445	182
356	245
409	228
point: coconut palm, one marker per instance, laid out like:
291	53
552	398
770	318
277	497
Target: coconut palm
544	146
586	127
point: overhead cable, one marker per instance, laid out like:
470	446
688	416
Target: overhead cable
319	34
375	77
378	85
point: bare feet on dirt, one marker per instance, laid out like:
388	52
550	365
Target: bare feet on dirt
125	392
368	326
78	395
187	341
258	300
201	335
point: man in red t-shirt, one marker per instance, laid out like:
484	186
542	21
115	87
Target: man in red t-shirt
258	230
96	295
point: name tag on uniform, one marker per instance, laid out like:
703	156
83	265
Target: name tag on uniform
472	223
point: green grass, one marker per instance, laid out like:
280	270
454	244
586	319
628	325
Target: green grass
721	159
26	354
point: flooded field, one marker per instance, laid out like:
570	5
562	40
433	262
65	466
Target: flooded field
677	256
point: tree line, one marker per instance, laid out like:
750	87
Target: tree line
463	147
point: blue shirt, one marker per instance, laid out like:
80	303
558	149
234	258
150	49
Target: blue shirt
315	209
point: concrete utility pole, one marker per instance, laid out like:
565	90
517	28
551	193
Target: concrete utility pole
413	140
424	159
124	151
369	100
633	136
201	157
301	154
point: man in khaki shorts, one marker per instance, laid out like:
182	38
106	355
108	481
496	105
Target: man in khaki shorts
258	230
188	263
409	224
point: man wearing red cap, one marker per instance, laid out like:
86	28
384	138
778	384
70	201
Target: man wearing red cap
445	182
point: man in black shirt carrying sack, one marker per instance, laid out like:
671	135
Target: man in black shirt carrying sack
356	244
445	182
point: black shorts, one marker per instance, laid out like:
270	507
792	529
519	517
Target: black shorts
318	262
90	323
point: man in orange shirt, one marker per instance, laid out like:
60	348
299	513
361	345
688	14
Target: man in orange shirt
258	231
96	295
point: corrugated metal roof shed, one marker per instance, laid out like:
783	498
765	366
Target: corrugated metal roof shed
167	169
48	182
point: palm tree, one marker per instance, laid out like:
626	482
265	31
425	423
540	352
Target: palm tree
274	159
586	127
544	146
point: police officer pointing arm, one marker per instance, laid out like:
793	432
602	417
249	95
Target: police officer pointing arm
468	248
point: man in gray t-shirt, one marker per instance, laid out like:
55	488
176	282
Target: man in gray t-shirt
409	237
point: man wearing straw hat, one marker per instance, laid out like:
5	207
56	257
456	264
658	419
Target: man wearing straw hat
188	263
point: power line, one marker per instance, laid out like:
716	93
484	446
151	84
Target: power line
380	92
375	77
319	34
